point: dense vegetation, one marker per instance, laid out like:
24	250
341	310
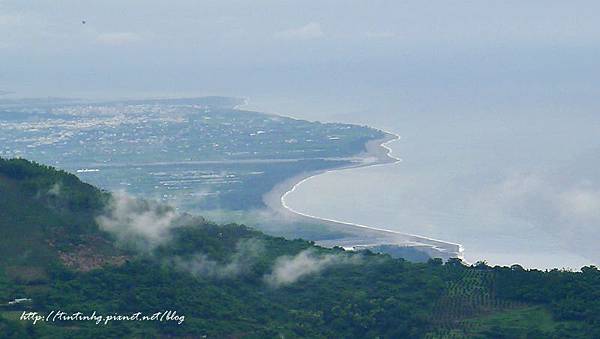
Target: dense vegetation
46	215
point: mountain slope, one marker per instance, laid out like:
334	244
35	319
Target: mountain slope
47	217
68	246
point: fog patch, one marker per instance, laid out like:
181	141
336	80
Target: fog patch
289	269
545	199
55	190
247	253
139	223
567	210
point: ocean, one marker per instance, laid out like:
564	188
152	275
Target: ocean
512	188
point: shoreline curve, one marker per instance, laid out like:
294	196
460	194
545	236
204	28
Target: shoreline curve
377	153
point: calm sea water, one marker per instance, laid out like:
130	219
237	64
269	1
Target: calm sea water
511	188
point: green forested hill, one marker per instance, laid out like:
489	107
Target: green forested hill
43	213
68	246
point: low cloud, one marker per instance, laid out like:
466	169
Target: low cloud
143	224
246	255
55	189
118	38
566	209
312	30
289	269
535	194
520	184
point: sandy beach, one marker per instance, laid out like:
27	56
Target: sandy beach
377	153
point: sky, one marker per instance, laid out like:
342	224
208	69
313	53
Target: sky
317	58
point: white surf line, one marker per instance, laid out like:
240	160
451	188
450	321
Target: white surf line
388	153
388	149
286	206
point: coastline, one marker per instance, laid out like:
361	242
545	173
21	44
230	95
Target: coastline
377	153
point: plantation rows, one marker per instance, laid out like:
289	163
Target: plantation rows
470	294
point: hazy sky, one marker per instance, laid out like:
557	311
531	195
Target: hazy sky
324	51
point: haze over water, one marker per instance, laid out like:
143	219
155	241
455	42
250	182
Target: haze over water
510	185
